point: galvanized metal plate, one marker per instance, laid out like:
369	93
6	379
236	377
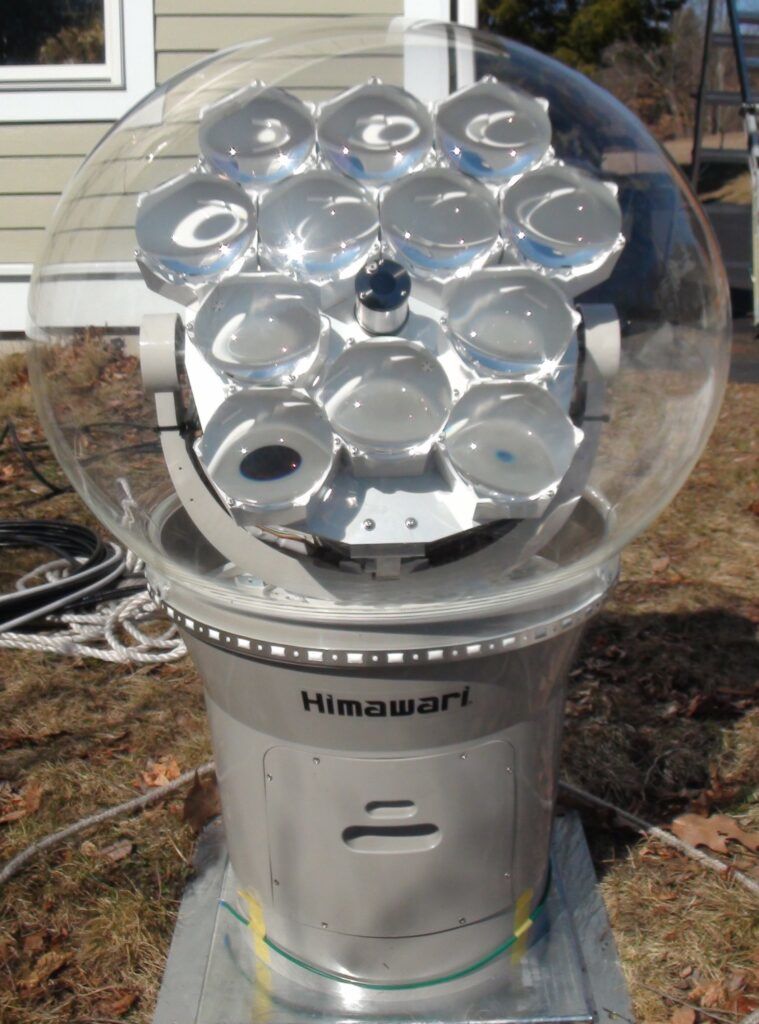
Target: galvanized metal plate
570	975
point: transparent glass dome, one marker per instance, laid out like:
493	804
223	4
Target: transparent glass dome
201	367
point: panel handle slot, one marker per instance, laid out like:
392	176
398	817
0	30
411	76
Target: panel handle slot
392	838
391	809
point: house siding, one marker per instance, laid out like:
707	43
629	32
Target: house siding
37	160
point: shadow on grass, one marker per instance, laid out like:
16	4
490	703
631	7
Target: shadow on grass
649	707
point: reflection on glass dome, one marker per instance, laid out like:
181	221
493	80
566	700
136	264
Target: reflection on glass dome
195	225
375	132
439	222
492	131
267	451
560	217
511	440
257	136
510	321
263	328
318	225
386	397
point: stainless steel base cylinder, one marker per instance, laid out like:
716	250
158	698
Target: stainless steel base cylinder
389	825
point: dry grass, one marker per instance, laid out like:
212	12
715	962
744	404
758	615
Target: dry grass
660	713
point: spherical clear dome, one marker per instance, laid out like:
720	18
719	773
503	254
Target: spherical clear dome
480	441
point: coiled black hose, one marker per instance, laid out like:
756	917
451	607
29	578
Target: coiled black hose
93	565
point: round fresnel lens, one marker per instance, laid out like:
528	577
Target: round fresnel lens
320	226
375	133
561	218
267	454
513	443
263	329
387	399
195	226
510	321
257	136
439	223
492	131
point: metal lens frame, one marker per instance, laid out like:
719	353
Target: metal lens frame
261	329
196	225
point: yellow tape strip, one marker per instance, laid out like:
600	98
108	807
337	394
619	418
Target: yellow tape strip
522	922
262	954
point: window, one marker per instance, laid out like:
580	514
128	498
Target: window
74	60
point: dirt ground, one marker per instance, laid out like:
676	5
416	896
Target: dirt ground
662	719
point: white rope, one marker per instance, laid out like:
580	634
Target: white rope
109	633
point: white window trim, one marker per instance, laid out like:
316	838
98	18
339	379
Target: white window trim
99	92
442	10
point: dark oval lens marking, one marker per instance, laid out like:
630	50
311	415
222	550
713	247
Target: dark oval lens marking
271	462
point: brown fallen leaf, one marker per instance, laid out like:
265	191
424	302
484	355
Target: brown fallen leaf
116	1004
161	772
683	1015
34	942
659	564
116	851
47	965
201	803
713	832
19	805
713	995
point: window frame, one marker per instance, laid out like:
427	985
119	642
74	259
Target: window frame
88	92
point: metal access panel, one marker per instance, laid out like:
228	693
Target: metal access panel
367	846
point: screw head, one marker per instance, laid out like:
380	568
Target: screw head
368	524
462	920
269	777
317	760
411	523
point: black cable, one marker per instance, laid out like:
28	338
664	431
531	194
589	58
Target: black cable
22	450
94	565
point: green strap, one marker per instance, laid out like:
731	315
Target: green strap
463	973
